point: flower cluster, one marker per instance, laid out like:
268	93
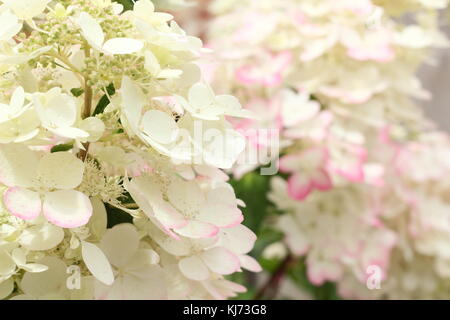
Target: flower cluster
111	150
364	167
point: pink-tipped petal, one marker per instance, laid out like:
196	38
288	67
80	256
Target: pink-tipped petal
250	263
299	186
67	208
198	229
22	203
221	260
321	180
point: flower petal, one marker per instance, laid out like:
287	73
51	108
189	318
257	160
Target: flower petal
67	208
41	237
6	288
321	180
160	126
120	244
97	263
18	165
60	170
194	268
91	30
198	229
221	261
22	203
122	46
250	263
47	282
239	239
299	186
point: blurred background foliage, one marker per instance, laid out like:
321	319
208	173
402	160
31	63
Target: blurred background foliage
253	188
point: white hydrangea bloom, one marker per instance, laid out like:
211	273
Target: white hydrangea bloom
91	130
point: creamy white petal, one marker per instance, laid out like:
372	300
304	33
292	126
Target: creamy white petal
160	126
60	170
120	244
41	237
67	208
97	263
220	260
123	46
194	268
18	165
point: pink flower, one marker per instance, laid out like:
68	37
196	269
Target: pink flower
308	172
268	73
348	161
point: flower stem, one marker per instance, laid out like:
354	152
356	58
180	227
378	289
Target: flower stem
270	289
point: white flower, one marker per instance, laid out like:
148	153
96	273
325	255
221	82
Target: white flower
59	112
52	283
153	66
18	120
189	211
10	25
204	104
145	10
138	276
26	9
93	33
44	185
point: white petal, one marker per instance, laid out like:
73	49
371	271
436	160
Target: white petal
60	170
41	237
160	126
34	267
6	288
97	263
22	203
238	239
152	63
18	165
27	9
120	244
69	132
47	282
7	264
221	209
11	26
149	285
133	100
56	109
221	261
19	257
18	98
201	96
67	208
194	268
91	30
99	220
94	126
198	229
250	263
185	195
148	196
122	46
170	73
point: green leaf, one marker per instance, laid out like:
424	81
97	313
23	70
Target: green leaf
252	188
62	147
326	291
117	216
127	4
104	101
77	92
